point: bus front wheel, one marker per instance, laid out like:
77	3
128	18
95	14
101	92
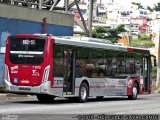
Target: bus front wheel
134	94
83	92
45	98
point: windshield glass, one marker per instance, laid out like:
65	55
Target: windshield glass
26	50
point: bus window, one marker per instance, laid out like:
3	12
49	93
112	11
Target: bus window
58	61
98	58
26	50
83	62
130	66
138	64
111	63
121	65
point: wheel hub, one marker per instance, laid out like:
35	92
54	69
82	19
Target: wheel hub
83	92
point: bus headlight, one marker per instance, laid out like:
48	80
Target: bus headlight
46	74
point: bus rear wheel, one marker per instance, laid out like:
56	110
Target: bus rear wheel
134	94
45	98
83	92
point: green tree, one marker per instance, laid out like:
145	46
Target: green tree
142	41
138	4
150	9
157	7
107	33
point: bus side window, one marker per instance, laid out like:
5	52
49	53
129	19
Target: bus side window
138	68
58	61
82	61
130	66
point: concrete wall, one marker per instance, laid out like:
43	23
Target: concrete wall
30	14
14	26
1	68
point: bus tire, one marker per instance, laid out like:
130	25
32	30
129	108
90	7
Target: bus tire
134	92
83	92
45	98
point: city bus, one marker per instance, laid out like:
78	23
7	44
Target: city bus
48	67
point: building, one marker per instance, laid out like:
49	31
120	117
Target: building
142	22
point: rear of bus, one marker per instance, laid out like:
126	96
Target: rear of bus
28	64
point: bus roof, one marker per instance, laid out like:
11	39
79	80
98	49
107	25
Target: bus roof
89	42
98	43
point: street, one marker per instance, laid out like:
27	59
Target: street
29	108
145	104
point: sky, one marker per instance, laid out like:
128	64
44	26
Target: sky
143	2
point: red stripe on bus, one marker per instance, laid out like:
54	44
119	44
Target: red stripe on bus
107	86
104	86
130	49
93	86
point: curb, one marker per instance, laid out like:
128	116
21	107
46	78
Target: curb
4	96
15	95
158	92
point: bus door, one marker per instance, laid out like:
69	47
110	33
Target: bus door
69	71
146	74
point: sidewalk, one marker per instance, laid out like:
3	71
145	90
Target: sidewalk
157	90
10	95
3	96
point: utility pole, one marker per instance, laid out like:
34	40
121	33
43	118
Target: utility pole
129	35
90	17
40	4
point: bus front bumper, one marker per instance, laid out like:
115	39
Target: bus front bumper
44	88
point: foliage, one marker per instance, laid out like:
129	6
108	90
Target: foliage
138	4
99	32
108	33
142	41
144	36
150	9
157	7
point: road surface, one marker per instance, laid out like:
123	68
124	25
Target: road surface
29	108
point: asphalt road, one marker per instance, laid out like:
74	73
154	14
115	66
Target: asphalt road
29	108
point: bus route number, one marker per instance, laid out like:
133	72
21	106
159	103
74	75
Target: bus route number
29	42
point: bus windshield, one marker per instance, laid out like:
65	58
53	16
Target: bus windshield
26	50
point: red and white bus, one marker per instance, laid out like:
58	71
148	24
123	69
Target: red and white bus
49	67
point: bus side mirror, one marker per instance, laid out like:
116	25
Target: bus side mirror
155	62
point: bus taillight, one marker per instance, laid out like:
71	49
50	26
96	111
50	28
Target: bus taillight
46	74
6	73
